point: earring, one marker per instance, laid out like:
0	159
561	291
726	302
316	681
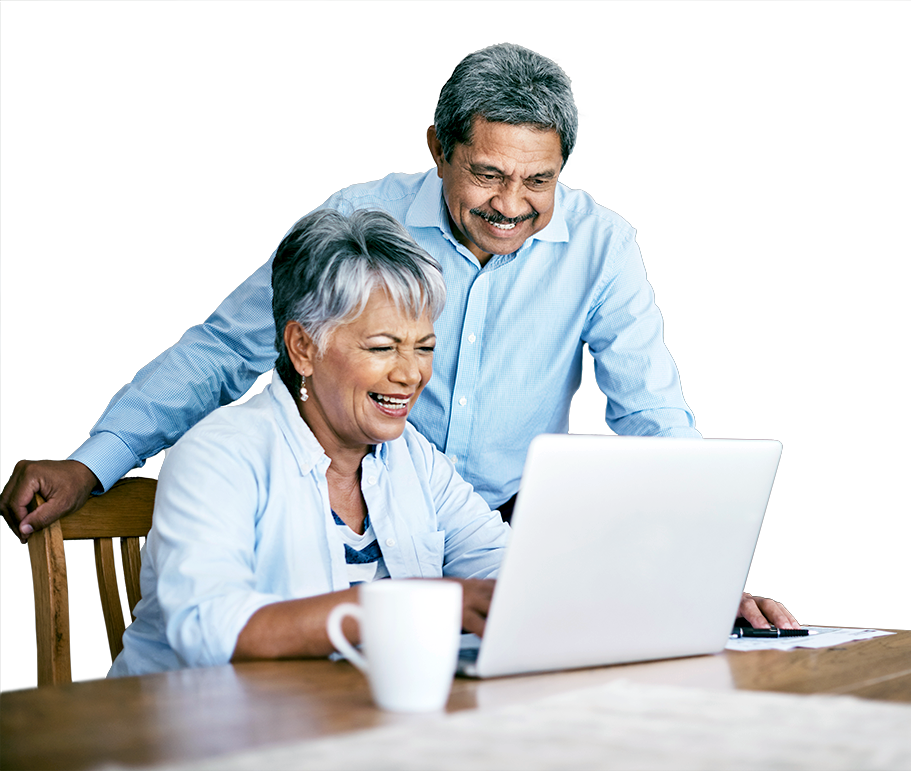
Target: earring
304	394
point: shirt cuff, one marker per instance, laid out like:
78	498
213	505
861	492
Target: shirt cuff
107	457
680	432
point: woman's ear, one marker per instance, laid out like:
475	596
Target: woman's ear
301	349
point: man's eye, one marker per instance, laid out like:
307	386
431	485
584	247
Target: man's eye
426	349
381	348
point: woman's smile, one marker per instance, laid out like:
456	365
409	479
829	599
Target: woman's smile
393	405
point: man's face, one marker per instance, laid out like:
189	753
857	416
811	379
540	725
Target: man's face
499	189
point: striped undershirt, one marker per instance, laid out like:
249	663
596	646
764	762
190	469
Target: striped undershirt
362	553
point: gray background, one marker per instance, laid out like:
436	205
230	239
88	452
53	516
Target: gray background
154	154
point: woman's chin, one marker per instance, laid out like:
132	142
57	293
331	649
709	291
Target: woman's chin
387	428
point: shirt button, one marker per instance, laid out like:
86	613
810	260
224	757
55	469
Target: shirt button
454	458
371	480
390	542
471	338
463	401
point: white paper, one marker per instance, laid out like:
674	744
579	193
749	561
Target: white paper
819	637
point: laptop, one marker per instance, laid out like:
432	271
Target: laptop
624	549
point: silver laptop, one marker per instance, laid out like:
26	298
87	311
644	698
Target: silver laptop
624	549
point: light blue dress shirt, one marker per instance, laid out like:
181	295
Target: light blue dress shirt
509	344
242	520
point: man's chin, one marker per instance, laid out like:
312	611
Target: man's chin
503	245
505	242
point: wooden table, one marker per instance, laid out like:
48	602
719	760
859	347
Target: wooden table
203	712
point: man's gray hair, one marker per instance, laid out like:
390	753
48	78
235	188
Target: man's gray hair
328	265
506	83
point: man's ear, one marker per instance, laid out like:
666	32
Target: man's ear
301	349
436	149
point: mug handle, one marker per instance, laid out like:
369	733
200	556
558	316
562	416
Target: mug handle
334	628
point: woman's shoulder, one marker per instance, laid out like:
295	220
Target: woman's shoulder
237	429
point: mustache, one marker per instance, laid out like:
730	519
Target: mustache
499	219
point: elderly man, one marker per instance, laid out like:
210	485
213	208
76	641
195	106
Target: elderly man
533	271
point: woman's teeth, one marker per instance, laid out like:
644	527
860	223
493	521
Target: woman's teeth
390	401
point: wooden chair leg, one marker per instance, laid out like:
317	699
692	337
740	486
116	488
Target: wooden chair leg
132	565
52	610
110	596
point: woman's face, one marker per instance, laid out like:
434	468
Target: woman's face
370	375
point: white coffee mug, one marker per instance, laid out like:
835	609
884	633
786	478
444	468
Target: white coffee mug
410	634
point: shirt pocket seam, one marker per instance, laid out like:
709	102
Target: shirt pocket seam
429	550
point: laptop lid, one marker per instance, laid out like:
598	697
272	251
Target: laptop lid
626	549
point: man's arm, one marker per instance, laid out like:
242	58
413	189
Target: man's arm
212	364
635	371
633	367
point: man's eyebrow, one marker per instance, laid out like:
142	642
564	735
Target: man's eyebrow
482	168
479	168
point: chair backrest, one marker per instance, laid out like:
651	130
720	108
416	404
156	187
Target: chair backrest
124	512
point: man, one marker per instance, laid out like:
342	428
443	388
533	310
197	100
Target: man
534	271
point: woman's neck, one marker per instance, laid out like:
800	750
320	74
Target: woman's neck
346	458
343	477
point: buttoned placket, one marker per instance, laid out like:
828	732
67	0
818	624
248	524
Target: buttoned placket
374	482
464	395
339	567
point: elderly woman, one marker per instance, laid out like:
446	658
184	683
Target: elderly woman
270	512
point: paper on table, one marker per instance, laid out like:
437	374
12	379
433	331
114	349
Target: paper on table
819	637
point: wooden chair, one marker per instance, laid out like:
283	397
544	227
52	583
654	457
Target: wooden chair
124	512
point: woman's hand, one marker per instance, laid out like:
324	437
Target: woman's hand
762	612
476	596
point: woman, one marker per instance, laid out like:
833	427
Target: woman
270	512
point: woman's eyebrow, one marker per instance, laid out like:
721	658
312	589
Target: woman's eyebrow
396	339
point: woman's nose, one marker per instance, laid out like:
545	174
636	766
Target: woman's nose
406	369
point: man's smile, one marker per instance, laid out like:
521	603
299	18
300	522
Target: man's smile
500	222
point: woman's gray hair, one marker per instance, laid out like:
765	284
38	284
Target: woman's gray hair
327	266
506	83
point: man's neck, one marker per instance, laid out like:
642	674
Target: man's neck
481	256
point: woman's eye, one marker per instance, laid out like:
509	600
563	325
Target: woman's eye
381	348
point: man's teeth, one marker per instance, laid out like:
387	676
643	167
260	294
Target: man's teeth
504	226
391	401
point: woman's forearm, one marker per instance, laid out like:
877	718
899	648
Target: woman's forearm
294	629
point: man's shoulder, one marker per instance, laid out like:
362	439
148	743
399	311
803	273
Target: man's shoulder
583	211
391	193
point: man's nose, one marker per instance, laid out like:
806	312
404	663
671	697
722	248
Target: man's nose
510	202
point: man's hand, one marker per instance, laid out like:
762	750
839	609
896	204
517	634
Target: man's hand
762	612
65	485
476	596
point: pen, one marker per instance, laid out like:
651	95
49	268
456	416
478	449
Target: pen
740	631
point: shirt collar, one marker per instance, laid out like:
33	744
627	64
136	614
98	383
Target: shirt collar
428	210
307	451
